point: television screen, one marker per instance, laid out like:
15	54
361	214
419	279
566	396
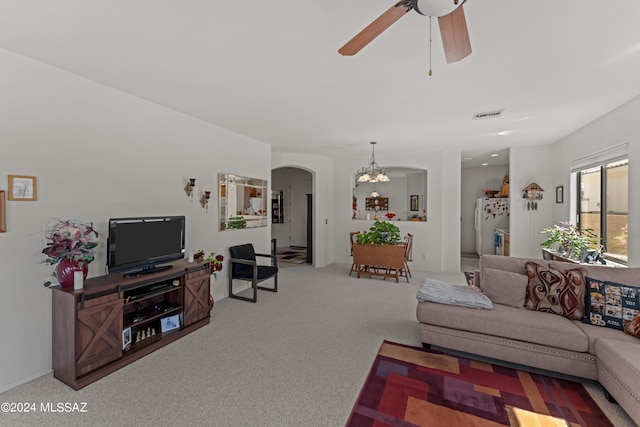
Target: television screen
141	244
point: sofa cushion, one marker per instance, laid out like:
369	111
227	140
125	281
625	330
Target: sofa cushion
633	327
505	287
611	304
446	293
630	276
505	263
507	322
557	292
595	333
619	373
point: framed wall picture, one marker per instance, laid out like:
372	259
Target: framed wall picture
3	212
22	187
415	202
559	194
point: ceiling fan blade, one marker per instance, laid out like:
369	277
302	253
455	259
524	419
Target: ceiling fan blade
455	36
374	29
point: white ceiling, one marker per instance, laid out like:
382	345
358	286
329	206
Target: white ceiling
270	69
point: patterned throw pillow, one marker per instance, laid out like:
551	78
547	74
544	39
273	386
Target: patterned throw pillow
633	327
555	292
610	304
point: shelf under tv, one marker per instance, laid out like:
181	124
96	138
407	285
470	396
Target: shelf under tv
88	324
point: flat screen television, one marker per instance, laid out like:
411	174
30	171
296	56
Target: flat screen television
140	245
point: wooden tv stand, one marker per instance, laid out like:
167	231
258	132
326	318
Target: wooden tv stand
88	324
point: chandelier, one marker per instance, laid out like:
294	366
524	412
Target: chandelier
373	172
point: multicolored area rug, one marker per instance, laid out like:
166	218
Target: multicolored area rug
293	255
410	386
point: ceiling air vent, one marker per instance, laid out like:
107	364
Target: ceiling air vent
487	115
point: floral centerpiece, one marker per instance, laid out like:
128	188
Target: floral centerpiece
70	247
215	261
568	238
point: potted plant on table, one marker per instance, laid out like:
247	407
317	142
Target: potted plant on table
568	239
70	247
378	251
380	233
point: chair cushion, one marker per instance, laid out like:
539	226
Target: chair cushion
246	272
245	251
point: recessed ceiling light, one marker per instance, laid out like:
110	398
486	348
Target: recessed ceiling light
467	158
495	155
505	132
485	164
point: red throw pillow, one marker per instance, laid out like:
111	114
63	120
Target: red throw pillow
554	291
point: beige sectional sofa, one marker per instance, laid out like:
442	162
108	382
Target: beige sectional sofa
512	333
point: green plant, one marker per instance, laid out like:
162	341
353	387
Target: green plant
570	238
380	233
236	222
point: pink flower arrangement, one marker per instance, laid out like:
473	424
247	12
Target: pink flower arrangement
70	239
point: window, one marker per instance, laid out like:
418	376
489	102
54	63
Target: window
603	206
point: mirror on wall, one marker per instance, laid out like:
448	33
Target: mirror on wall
402	198
243	202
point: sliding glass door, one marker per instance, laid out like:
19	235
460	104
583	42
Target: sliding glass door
604	205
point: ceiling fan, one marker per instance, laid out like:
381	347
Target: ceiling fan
451	20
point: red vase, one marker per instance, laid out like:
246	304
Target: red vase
66	268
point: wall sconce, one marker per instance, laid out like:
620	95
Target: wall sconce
204	200
189	187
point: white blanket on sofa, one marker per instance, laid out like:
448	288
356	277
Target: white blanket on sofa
446	293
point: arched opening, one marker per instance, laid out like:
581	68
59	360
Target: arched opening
292	215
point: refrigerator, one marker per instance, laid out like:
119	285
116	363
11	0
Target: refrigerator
490	213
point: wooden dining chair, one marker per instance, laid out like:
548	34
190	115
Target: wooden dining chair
408	252
353	236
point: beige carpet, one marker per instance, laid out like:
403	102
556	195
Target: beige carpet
296	358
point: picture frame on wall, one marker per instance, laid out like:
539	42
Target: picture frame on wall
3	212
560	194
22	187
415	202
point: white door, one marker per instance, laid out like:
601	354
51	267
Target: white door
298	209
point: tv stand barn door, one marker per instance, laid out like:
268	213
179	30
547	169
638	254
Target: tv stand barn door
196	296
99	329
88	324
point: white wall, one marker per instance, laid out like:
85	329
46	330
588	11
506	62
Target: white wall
474	180
527	165
617	127
98	153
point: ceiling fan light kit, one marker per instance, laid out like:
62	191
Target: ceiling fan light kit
451	19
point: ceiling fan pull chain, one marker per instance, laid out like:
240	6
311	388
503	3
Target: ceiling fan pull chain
430	71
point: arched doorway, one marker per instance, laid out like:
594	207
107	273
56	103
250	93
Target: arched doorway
292	215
